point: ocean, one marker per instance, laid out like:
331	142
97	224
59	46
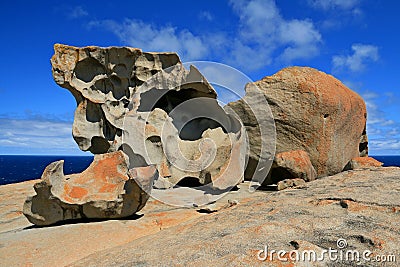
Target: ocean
18	168
14	169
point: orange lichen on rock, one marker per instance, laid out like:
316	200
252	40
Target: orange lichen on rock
363	163
313	112
106	189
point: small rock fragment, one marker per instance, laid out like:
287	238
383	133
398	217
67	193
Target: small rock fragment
287	183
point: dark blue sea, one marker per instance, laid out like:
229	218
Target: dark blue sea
14	169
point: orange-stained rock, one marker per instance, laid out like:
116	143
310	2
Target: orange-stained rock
106	189
292	164
363	163
314	112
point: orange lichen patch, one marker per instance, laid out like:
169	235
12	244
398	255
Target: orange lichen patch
105	175
102	172
107	188
78	192
365	162
297	157
378	243
150	130
357	207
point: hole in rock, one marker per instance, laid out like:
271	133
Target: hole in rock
363	147
104	86
154	139
166	100
279	174
195	128
135	160
189	182
99	145
93	112
88	68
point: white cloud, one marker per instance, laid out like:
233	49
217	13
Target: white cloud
362	54
34	136
263	31
262	36
390	145
77	12
334	4
205	15
149	37
383	131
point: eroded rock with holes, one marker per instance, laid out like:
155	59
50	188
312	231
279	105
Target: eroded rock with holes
313	112
199	139
106	189
177	124
103	80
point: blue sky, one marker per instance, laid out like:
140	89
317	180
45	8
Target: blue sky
355	40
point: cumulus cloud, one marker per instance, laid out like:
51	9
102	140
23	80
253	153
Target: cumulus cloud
263	31
262	36
383	131
362	54
150	37
386	146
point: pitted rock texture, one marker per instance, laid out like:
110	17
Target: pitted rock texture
177	124
106	189
313	112
103	80
157	94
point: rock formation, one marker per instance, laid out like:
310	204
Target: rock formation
176	123
314	113
103	80
156	111
106	189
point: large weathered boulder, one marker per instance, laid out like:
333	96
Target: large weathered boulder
155	110
106	189
313	112
103	80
